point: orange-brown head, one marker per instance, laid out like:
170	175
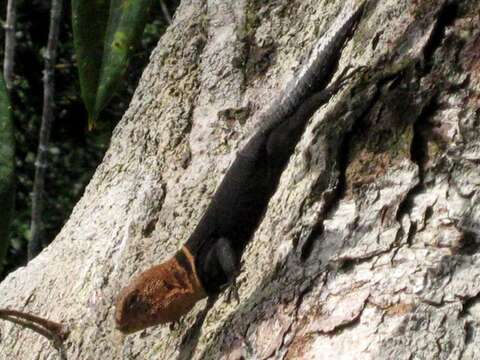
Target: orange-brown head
159	295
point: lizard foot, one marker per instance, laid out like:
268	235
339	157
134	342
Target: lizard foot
347	73
174	325
232	292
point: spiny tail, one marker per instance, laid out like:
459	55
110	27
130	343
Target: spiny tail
315	78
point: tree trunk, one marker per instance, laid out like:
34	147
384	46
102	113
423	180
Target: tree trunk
41	161
369	247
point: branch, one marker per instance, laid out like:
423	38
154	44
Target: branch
35	245
53	331
9	61
165	11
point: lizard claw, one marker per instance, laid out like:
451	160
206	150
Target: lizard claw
174	325
232	292
347	73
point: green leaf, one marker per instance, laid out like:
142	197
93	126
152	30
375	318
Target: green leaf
7	169
105	34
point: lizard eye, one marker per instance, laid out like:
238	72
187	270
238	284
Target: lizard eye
132	300
168	286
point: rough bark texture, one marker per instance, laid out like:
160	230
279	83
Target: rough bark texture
370	246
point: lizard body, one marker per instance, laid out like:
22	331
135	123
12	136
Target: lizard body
210	258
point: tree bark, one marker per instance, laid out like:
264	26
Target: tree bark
41	161
9	59
370	246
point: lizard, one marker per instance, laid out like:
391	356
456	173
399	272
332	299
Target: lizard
210	259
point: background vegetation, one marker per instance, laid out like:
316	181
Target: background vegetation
74	152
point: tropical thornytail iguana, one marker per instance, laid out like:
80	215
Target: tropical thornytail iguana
210	258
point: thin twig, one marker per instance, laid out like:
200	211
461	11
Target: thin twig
29	325
9	60
53	331
36	227
52	326
165	11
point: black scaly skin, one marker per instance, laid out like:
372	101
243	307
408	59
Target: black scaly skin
241	199
210	258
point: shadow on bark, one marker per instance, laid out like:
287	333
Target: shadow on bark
290	281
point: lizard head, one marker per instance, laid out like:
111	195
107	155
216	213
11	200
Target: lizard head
159	295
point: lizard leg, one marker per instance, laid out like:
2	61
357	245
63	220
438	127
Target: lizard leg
283	138
229	263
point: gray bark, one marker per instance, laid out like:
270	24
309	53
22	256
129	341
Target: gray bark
41	161
9	56
370	246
